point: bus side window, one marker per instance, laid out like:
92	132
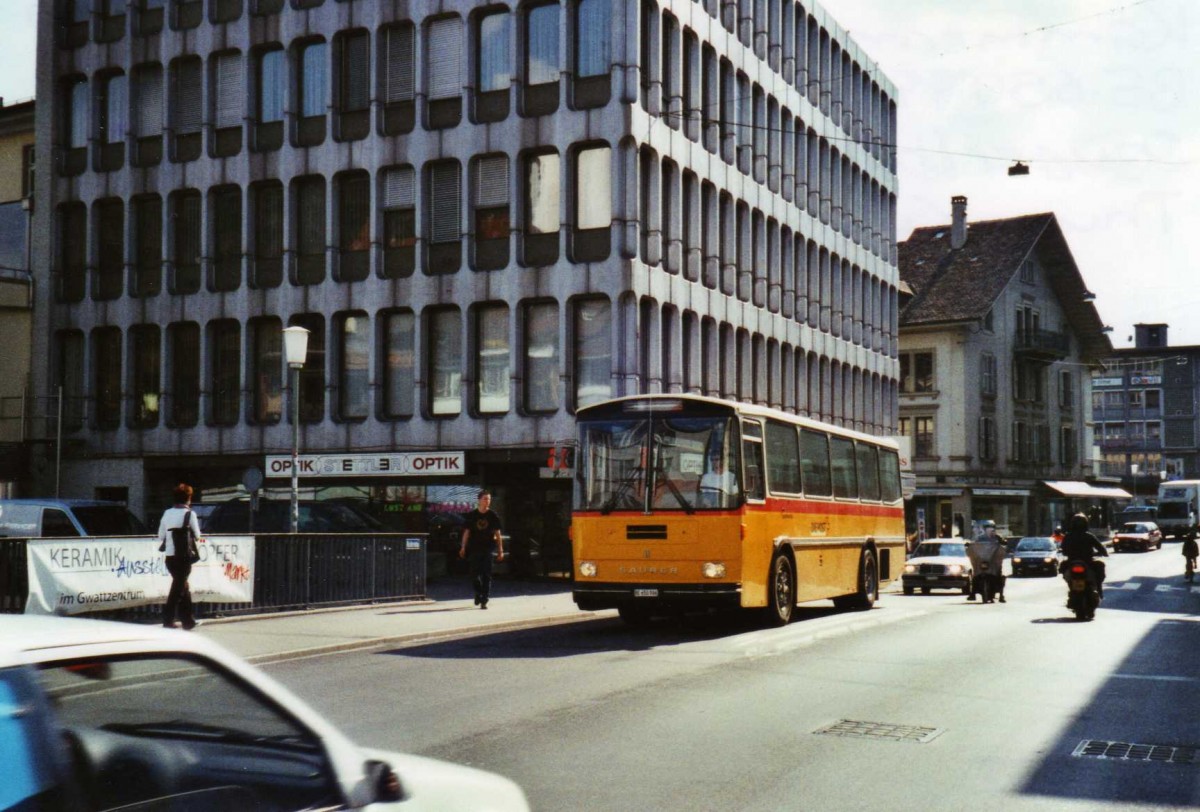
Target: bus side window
841	455
752	457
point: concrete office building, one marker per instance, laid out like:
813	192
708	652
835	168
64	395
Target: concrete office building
487	215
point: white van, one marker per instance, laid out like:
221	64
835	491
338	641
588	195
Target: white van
67	518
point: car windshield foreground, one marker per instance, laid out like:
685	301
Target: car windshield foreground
102	716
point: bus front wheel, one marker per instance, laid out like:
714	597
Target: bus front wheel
781	591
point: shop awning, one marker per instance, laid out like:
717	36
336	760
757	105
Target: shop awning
1084	490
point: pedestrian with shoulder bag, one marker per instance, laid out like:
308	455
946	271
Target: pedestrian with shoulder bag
179	537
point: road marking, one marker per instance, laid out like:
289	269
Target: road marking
1195	590
1130	585
1156	677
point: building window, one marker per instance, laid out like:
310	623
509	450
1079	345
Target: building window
309	228
106	377
920	429
987	374
78	16
267	201
28	170
541	357
228	104
399	363
542	190
398	210
592	346
113	125
491	213
266	369
110	245
445	232
69	375
1028	274
1066	446
224	347
353	86
73	255
147	237
354	226
593	48
111	25
540	94
75	125
1021	442
271	87
226	11
312	375
188	14
312	91
1066	389
147	88
186	242
149	17
184	341
987	439
225	212
445	362
396	78
444	59
354	380
591	240
146	354
916	372
494	66
492	366
186	108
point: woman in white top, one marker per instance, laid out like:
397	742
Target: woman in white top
179	599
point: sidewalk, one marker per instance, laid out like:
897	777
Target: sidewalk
449	611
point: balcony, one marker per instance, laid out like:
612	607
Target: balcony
1041	345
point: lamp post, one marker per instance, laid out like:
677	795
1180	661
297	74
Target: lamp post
295	349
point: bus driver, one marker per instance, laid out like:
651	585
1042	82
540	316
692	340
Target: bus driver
717	486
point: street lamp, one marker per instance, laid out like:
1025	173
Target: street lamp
295	349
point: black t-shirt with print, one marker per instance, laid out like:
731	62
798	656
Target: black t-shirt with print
481	528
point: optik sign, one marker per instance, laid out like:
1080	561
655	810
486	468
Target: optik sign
428	463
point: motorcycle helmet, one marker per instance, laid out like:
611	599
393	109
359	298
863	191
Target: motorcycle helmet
986	523
1078	523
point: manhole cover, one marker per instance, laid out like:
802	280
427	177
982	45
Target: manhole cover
1125	751
881	731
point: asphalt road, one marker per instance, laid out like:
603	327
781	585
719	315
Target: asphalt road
938	704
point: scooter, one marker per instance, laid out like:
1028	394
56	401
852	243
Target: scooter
1083	592
986	583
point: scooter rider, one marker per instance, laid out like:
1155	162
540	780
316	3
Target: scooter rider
1080	545
990	548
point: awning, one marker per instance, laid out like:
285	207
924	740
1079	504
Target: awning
1084	490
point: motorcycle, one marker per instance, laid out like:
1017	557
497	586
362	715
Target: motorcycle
986	583
1083	592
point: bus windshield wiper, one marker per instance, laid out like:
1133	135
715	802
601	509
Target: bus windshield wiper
674	489
620	491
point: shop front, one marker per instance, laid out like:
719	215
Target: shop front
1100	503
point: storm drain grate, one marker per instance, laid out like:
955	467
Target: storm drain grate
882	731
1124	751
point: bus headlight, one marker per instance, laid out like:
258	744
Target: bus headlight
713	569
954	569
910	568
587	569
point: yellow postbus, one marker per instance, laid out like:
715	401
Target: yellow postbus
687	502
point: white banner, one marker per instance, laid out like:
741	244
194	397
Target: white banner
71	576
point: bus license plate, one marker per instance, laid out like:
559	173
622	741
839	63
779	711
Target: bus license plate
645	593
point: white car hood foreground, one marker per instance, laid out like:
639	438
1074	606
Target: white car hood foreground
439	786
945	560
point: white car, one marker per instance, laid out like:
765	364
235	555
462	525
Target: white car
97	715
938	564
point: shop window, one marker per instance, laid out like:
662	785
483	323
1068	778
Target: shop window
185	241
397	46
541	374
224	348
445	362
146	375
267	203
399	363
225	212
492	365
266	369
398	207
309	228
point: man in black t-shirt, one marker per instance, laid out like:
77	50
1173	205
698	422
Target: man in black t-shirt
481	531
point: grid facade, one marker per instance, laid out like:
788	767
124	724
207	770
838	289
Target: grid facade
486	217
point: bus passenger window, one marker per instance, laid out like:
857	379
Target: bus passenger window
868	471
814	458
841	454
752	458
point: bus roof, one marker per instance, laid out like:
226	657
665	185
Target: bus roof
748	409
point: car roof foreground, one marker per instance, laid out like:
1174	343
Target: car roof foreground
428	784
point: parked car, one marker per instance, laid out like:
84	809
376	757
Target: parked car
1137	536
938	564
101	715
1035	555
275	516
67	518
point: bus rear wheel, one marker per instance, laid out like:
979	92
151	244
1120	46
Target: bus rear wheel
781	591
868	585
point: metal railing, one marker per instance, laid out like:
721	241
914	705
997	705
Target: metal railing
299	571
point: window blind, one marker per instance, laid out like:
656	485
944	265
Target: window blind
398	192
314	81
78	115
356	72
444	203
229	90
272	85
491	176
149	100
398	59
187	112
445	58
116	110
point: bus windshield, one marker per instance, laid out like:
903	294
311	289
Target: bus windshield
651	463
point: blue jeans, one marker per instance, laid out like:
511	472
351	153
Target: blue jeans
480	566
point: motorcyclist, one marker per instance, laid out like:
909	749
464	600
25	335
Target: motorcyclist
990	548
1080	545
1058	535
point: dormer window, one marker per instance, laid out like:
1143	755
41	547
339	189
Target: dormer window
1027	272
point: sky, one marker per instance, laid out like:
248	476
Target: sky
1101	98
